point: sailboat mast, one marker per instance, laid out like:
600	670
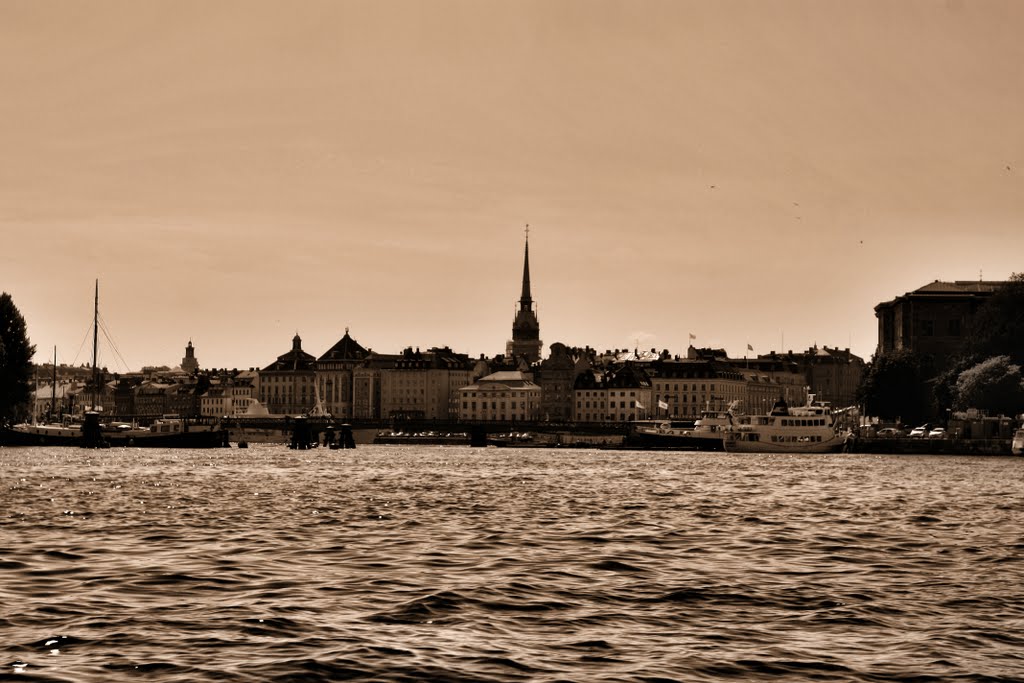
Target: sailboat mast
53	396
95	340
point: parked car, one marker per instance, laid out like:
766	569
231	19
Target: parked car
937	433
919	432
889	432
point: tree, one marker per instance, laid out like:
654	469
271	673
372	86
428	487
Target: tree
15	363
897	386
997	328
994	385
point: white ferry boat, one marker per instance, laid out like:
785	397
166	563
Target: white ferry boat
705	434
807	429
1017	445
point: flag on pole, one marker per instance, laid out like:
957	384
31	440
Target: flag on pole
749	347
640	405
662	405
692	336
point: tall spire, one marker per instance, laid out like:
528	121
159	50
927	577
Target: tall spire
526	341
526	301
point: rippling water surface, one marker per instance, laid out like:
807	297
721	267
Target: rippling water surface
461	564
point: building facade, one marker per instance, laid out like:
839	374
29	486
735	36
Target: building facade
622	394
684	388
932	319
832	375
506	396
556	377
421	385
334	376
286	386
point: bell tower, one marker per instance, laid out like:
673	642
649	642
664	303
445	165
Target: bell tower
190	363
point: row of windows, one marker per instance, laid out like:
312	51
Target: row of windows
794	439
602	417
600	404
676	399
811	422
471	405
503	394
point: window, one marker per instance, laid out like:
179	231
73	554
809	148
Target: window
954	328
927	328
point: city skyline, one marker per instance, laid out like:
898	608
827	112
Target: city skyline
755	174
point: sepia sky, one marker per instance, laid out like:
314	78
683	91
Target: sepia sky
757	173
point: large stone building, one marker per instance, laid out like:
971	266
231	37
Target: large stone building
525	342
556	377
287	384
707	379
832	375
684	388
620	394
334	376
416	385
932	319
507	396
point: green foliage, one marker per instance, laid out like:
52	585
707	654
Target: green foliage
15	363
897	386
945	390
997	329
994	386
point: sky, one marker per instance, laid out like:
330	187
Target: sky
750	173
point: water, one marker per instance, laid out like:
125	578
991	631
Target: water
459	564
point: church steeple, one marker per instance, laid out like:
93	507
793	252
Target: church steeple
526	301
525	341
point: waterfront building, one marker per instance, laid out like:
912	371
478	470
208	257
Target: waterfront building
832	375
683	388
286	386
151	399
507	396
932	319
189	364
244	388
183	398
556	376
620	394
769	379
421	385
366	381
231	394
216	402
124	394
334	376
525	342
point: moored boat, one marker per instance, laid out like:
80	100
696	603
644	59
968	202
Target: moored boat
429	438
806	429
705	434
171	431
1017	444
167	432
